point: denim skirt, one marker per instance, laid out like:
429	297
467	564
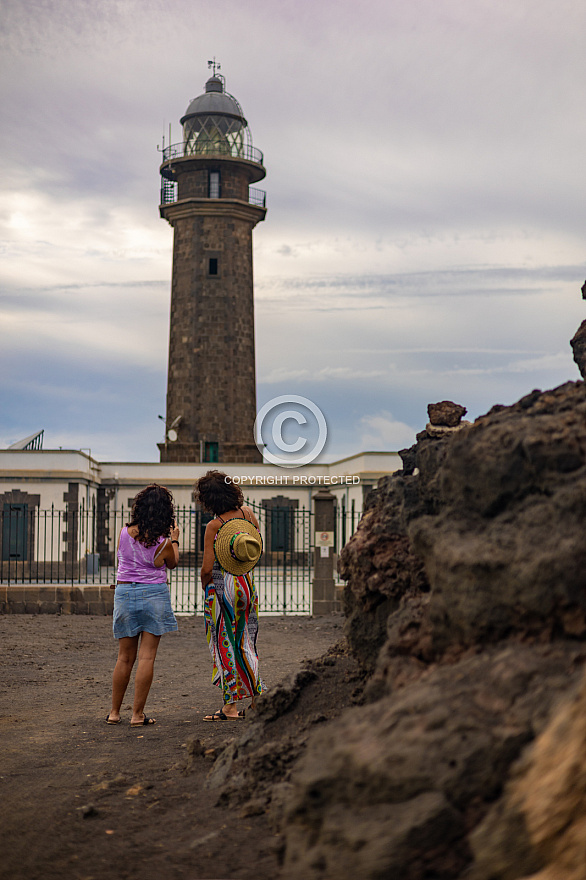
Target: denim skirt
142	608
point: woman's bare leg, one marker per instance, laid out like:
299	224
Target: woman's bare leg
127	647
144	674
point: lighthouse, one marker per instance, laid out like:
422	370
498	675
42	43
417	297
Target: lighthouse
208	198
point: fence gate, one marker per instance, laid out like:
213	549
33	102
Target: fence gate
282	578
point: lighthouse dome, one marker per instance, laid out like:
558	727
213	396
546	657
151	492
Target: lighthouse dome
214	122
214	100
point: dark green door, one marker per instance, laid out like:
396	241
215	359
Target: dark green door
281	531
14	531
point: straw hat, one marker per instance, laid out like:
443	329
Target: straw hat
238	546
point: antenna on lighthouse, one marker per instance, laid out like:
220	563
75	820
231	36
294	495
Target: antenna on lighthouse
214	65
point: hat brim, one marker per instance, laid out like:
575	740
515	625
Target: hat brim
222	543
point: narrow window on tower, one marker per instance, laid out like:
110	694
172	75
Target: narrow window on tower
213	266
214	185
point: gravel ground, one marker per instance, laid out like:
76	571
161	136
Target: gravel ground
85	800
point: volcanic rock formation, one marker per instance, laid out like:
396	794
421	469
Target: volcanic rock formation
578	343
466	611
466	605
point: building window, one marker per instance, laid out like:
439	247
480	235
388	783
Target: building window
214	185
213	266
211	451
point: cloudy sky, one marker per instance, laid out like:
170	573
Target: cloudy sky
425	238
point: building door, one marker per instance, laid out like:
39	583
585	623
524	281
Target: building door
14	532
279	513
281	528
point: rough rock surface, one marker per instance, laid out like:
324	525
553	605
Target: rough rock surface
466	608
383	567
475	524
507	551
578	343
540	825
378	561
395	786
446	413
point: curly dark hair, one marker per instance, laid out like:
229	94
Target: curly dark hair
153	513
217	494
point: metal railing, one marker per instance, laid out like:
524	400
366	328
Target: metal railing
77	545
257	197
212	148
169	194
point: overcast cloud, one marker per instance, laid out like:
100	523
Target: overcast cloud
425	229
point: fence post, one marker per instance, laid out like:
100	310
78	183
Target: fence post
324	591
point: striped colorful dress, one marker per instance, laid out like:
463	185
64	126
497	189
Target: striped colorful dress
231	620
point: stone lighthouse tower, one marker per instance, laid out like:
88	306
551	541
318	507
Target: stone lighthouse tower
207	198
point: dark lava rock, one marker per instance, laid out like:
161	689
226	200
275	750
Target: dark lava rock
378	562
393	788
578	343
446	413
492	524
379	565
506	551
540	823
466	606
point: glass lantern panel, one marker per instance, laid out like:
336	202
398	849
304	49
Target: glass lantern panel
214	134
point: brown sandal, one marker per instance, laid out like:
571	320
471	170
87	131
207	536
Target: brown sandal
144	722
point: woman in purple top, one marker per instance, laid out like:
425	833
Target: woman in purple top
147	547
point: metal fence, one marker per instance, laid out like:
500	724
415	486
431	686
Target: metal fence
77	545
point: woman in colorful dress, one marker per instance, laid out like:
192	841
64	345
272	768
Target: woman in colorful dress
147	546
232	546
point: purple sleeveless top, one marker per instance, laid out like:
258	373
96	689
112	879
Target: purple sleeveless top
136	562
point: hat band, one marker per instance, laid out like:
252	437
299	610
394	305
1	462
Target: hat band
231	545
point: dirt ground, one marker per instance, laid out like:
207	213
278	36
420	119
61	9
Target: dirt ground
84	800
